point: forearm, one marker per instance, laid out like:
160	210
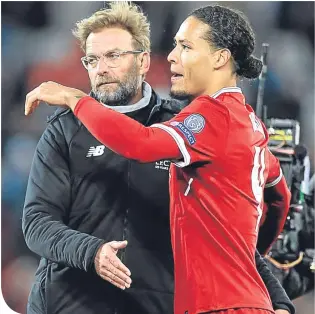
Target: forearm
278	296
124	135
278	202
56	242
269	231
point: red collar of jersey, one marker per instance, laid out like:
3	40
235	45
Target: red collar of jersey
226	90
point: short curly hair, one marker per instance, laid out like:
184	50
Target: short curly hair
230	29
123	14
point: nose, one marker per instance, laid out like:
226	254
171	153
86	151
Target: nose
102	67
173	56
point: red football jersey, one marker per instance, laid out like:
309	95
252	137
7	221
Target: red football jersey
216	193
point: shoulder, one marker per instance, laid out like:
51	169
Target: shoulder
63	124
60	111
210	101
208	106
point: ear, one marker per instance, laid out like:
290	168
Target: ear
221	58
144	63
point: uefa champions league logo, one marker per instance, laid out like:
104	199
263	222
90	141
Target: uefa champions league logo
195	123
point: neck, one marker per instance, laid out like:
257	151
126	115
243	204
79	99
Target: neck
218	83
138	96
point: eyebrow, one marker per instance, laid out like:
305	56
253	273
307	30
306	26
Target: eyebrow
111	50
181	41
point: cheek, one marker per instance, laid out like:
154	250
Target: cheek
199	71
122	71
92	76
192	67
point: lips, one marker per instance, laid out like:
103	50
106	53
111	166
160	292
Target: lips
105	83
176	76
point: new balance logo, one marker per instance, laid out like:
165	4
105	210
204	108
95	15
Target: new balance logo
96	151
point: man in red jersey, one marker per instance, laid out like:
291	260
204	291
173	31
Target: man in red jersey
221	161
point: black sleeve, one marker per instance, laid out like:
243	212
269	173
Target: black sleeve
47	205
278	296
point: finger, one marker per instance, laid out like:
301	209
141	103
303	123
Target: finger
27	104
119	265
117	272
118	244
110	274
29	100
113	282
34	105
32	101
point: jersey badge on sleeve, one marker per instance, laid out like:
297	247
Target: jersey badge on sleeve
186	132
195	122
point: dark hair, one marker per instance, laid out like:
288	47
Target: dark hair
229	28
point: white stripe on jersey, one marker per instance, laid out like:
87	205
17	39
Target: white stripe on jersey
275	182
180	143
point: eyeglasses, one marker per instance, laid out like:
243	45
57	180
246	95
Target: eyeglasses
112	59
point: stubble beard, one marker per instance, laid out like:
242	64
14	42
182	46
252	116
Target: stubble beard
180	94
126	89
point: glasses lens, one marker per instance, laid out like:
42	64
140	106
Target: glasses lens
112	59
85	63
90	63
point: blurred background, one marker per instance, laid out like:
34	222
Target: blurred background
37	45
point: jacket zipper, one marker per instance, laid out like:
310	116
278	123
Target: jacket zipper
124	234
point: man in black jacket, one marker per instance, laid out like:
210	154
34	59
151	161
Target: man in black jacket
81	196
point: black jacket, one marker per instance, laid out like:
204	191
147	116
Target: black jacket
81	195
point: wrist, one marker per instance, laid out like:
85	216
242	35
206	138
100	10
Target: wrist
282	308
72	98
96	256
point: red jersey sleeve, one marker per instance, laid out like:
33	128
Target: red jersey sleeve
277	198
124	135
275	172
200	131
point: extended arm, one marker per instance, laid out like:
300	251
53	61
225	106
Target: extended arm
124	135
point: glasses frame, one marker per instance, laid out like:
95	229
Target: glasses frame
121	53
